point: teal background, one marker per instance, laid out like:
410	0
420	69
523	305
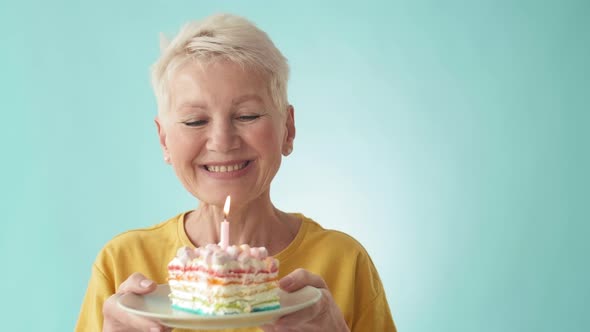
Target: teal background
449	137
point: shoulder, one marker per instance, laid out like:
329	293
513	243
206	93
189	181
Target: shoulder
164	229
333	239
159	232
138	242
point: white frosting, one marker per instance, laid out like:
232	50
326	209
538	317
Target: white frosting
241	279
233	251
207	290
268	295
211	310
222	260
224	305
216	280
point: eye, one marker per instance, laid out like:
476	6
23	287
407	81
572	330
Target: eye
197	123
248	118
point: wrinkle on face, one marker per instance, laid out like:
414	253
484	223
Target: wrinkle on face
218	92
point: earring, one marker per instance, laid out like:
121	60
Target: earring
289	150
167	159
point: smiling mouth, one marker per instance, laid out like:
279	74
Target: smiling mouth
226	168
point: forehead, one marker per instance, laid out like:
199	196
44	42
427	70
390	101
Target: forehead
216	83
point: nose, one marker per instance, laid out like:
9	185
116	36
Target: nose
223	137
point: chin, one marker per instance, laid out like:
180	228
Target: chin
217	197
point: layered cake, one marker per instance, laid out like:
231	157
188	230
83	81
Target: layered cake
212	280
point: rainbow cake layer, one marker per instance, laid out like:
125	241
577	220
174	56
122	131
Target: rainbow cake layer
214	281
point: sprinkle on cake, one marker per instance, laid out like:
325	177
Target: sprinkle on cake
212	280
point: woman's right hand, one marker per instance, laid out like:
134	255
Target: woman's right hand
116	319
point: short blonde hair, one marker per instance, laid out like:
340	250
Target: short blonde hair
225	37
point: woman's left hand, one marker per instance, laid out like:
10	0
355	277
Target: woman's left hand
323	316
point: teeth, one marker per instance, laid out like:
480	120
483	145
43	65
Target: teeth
228	168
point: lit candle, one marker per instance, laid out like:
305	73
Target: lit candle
224	241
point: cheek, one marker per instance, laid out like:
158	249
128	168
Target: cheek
268	137
183	146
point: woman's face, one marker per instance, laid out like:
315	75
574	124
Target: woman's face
222	133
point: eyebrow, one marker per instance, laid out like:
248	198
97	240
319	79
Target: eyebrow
236	101
247	97
191	104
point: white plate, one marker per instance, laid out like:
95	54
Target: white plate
157	305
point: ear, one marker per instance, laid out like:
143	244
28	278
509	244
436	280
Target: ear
289	132
162	138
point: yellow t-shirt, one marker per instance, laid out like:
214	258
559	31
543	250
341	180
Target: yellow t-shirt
339	259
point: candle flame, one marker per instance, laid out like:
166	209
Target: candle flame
226	206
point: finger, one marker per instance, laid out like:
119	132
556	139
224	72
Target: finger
144	324
166	329
159	327
137	283
299	279
299	318
324	312
268	328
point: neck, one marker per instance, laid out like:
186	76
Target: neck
256	223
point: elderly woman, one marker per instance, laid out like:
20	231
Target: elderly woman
224	124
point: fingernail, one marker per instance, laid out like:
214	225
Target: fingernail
145	284
154	329
286	282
